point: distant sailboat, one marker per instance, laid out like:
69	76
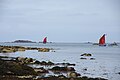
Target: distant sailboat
102	41
45	40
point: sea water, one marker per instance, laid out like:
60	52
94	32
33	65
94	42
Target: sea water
106	63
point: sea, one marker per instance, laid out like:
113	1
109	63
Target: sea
105	63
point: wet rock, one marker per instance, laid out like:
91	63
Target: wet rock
70	69
41	70
73	75
7	50
29	77
85	69
29	59
66	64
14	68
61	76
83	58
99	79
72	79
92	58
30	48
85	77
24	60
53	51
20	58
90	79
43	63
10	49
57	68
37	62
119	73
86	54
50	63
21	49
43	50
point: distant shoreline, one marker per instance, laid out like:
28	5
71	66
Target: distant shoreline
29	41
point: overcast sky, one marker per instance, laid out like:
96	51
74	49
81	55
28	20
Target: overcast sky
60	20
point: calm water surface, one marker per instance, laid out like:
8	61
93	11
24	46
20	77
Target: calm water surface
106	63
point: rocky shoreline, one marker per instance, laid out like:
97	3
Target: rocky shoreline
21	68
17	68
11	49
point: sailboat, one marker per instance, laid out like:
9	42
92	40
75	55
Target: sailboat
45	40
102	41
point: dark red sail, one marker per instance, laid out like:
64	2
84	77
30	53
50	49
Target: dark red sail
102	41
45	40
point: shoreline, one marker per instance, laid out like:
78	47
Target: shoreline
84	59
10	49
32	73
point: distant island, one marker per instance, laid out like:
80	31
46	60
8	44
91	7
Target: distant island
23	41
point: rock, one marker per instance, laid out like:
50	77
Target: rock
20	58
90	79
50	63
30	48
119	73
86	54
37	62
70	69
29	59
21	49
43	63
83	58
61	76
57	68
85	69
92	58
41	70
85	77
72	79
67	64
14	68
10	49
73	75
7	50
99	79
24	60
53	51
43	50
25	77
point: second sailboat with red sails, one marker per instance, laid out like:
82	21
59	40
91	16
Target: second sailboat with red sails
102	41
45	40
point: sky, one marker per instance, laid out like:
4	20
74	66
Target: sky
60	20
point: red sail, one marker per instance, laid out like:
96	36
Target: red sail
45	40
102	40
